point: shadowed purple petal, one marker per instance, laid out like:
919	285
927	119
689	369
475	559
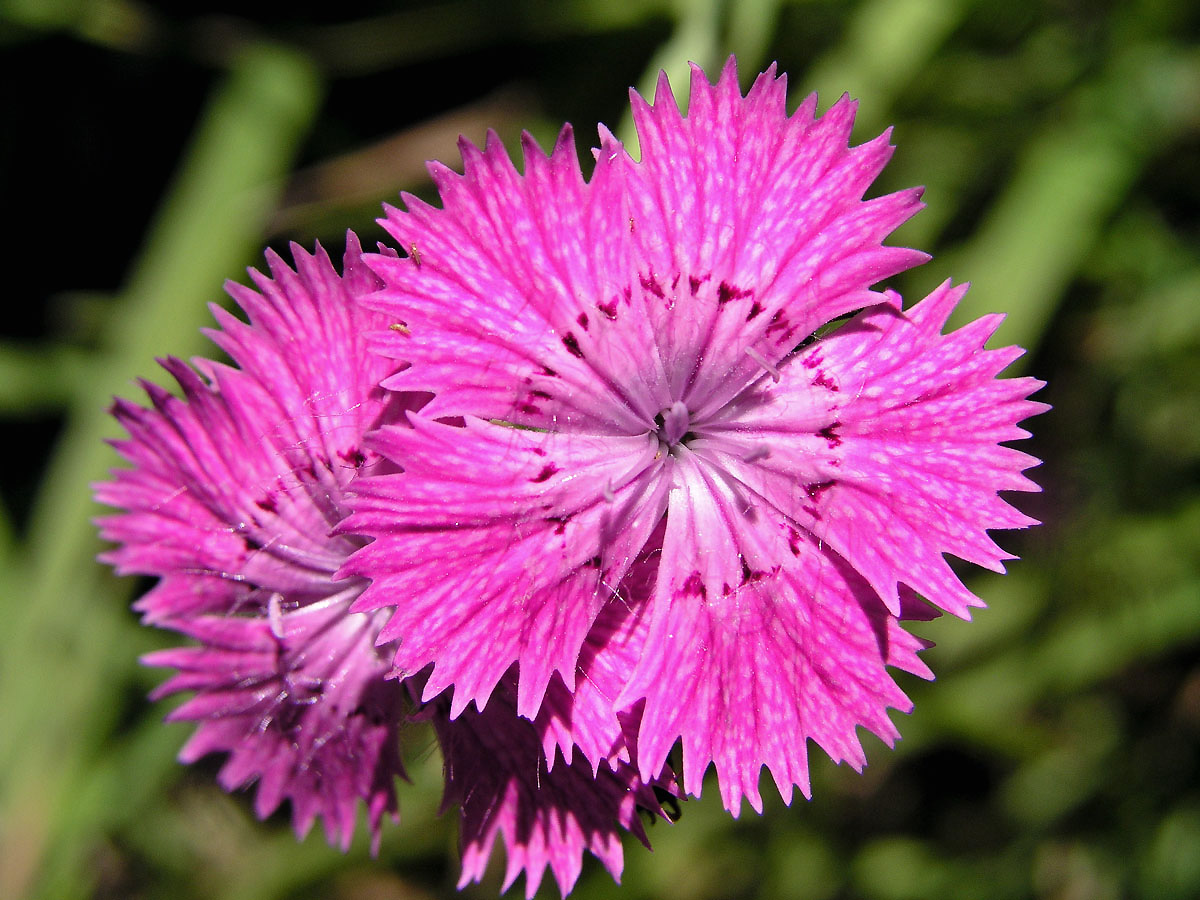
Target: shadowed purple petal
496	772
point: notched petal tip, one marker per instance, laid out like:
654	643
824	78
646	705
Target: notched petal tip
564	144
767	82
664	95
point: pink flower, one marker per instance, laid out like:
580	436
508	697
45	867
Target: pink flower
645	479
231	502
603	466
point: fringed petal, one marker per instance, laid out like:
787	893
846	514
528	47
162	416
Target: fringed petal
505	279
752	226
764	639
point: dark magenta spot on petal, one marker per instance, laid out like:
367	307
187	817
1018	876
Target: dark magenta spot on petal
650	283
830	435
572	345
694	586
559	522
727	292
546	370
583	321
267	504
816	489
544	475
755	309
609	309
823	380
542	395
750	575
694	283
794	541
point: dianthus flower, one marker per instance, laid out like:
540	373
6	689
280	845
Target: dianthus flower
234	501
231	501
647	479
602	466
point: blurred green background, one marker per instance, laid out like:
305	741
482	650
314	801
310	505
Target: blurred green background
151	149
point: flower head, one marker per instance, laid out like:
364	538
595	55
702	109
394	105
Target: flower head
231	501
604	466
642	478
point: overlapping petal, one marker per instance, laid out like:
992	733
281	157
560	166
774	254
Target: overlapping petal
799	520
902	462
589	718
505	281
499	545
241	478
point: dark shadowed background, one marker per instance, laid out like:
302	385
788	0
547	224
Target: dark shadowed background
149	150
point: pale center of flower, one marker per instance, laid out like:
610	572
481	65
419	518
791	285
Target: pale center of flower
673	423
